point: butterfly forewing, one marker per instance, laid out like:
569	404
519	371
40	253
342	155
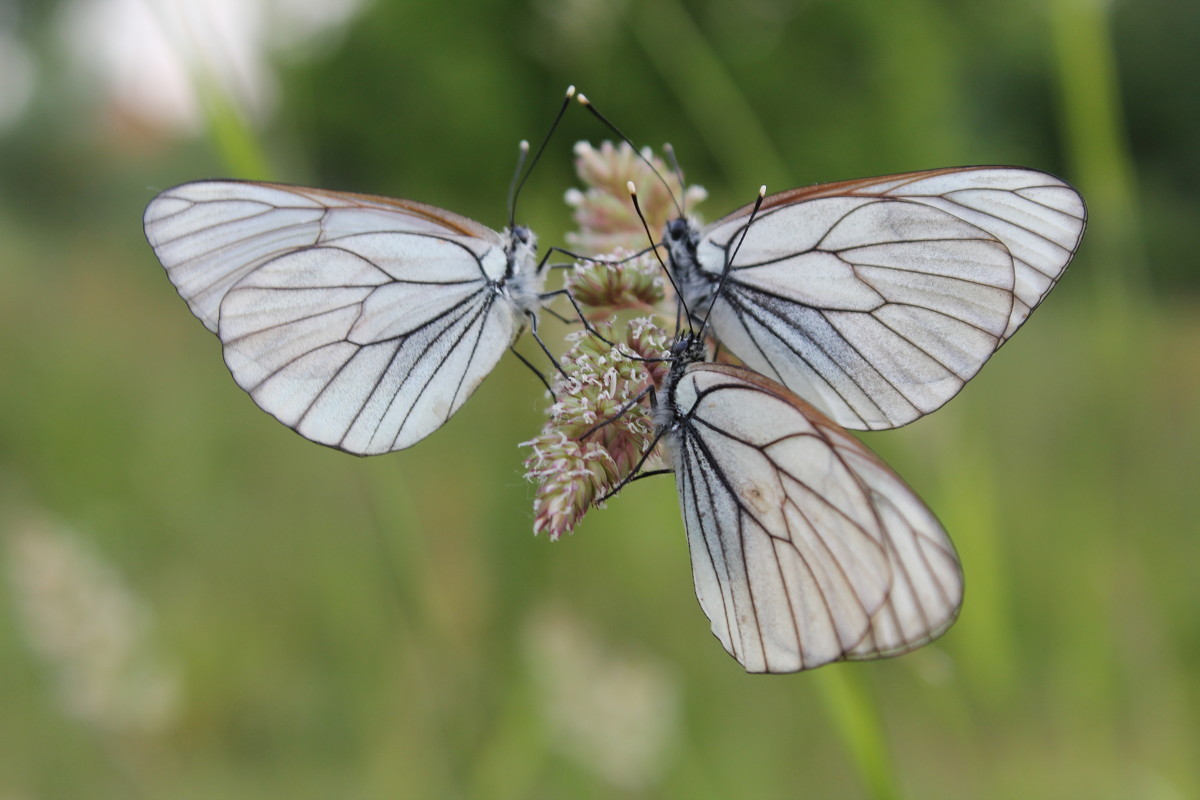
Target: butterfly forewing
361	322
806	548
210	234
878	299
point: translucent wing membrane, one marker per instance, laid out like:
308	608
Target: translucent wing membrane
806	548
878	299
361	322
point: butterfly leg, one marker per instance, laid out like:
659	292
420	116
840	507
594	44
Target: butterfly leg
535	371
649	390
636	473
533	329
579	311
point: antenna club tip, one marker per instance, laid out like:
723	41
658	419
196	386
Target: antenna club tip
762	190
570	91
632	189
582	98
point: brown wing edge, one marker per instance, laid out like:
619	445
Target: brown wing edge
862	187
455	223
836	433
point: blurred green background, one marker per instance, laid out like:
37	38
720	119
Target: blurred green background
199	603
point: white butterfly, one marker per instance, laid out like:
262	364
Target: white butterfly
805	547
361	322
872	302
877	299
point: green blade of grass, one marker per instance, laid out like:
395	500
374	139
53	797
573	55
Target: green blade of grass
855	717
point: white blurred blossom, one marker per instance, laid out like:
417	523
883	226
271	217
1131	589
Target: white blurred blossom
617	714
17	79
153	58
92	632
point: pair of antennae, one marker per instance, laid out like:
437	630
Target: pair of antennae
762	193
633	196
670	153
518	180
521	175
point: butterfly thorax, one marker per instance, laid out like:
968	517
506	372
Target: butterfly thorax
682	239
686	350
522	282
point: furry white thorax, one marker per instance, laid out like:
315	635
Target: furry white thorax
522	281
682	238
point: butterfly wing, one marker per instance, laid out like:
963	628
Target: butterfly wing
878	299
361	322
805	547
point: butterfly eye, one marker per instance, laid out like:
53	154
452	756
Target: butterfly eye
680	346
521	234
677	230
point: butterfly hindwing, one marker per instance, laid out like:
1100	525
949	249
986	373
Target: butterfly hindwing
806	548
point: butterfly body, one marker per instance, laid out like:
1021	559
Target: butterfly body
696	284
522	284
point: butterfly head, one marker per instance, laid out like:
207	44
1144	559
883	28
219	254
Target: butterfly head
522	235
681	236
687	349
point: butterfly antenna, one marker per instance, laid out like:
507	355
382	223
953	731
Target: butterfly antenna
515	188
762	193
646	227
669	152
588	105
522	154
